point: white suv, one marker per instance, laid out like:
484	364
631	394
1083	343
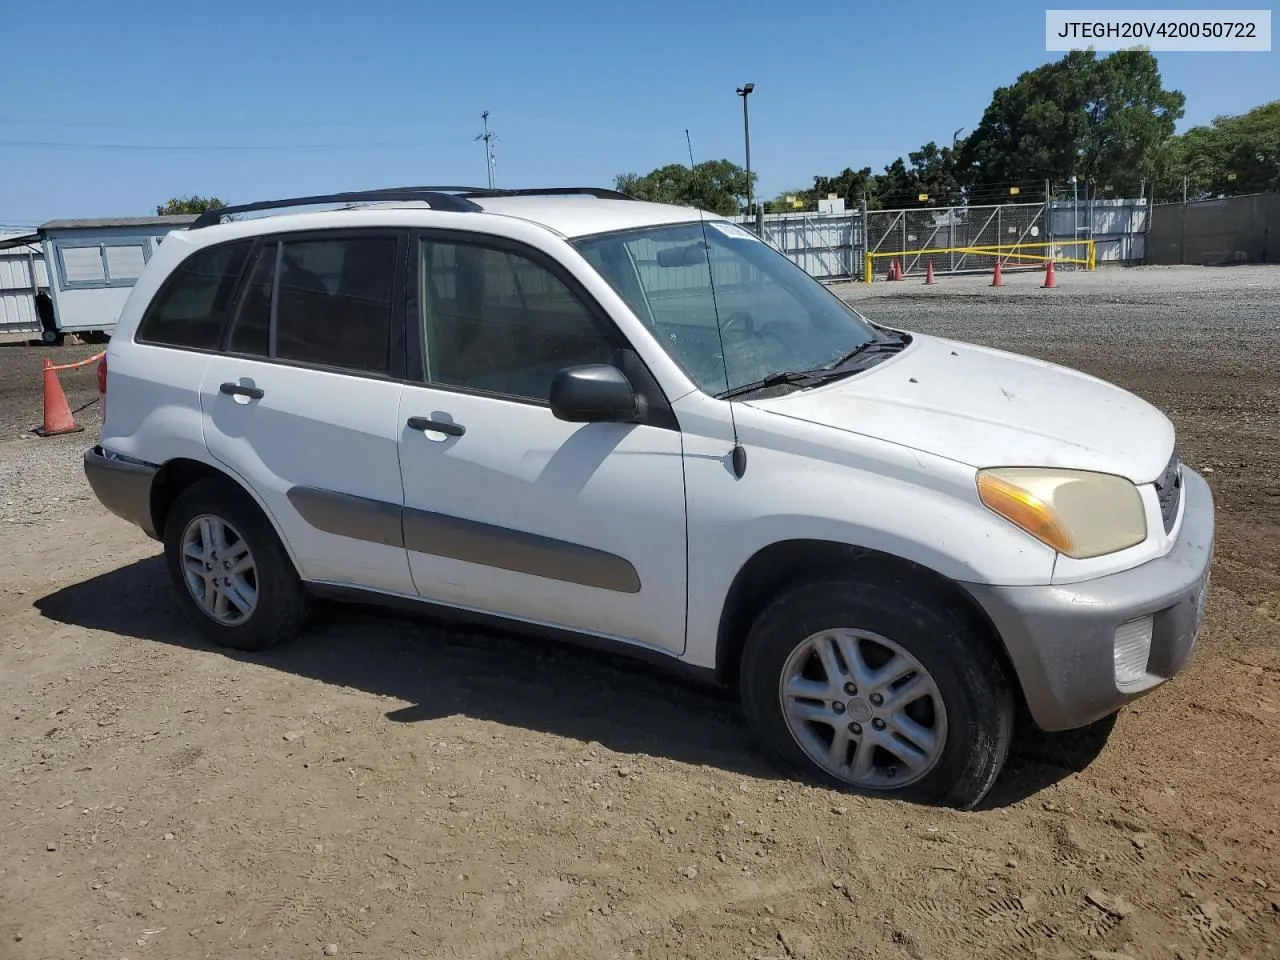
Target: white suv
638	424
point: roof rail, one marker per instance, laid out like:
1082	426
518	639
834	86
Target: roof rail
598	192
441	198
455	199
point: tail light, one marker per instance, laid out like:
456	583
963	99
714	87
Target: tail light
102	384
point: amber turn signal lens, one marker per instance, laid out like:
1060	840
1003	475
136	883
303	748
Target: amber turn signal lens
1025	510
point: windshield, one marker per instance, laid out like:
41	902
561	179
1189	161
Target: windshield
773	316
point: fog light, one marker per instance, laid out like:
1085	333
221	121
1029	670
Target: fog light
1132	647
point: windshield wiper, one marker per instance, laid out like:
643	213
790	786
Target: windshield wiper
862	349
810	378
806	378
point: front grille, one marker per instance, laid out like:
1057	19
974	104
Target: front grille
1169	491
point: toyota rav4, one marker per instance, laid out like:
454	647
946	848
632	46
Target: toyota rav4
640	425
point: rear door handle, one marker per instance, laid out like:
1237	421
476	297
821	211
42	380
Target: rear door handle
238	390
436	426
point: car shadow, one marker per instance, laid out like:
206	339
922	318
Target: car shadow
441	669
1038	760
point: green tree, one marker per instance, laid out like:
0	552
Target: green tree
1106	120
1192	156
930	170
1232	156
933	171
780	203
193	204
1250	146
850	184
719	186
896	187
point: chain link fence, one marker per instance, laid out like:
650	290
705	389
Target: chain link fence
958	239
948	236
826	246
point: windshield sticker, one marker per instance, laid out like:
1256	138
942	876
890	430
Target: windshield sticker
732	230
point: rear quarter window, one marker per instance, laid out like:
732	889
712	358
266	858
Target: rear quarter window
193	303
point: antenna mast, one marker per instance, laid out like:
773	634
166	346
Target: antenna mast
488	137
738	455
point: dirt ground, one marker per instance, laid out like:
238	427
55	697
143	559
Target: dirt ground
386	788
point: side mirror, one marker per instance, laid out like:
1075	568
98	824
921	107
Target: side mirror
593	393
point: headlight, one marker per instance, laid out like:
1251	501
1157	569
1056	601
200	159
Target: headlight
1077	512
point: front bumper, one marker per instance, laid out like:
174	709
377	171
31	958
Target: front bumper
1061	638
122	486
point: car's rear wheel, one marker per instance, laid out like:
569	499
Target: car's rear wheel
231	573
878	689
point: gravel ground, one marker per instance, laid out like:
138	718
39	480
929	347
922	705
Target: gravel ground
387	787
1225	317
42	479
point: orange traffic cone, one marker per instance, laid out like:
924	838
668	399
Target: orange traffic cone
902	274
928	274
57	412
996	279
1049	278
892	274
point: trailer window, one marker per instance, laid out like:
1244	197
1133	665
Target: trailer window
124	262
100	263
83	265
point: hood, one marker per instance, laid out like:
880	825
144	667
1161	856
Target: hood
986	408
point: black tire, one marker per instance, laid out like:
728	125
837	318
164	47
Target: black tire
974	685
283	602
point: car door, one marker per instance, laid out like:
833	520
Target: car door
303	403
509	510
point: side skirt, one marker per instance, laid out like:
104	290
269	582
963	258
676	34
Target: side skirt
517	629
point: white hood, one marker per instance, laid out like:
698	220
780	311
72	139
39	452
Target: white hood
987	408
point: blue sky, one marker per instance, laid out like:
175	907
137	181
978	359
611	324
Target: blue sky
247	99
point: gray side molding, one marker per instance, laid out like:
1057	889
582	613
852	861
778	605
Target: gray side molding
347	515
493	546
441	535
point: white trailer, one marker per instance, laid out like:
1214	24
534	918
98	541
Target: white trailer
23	278
81	276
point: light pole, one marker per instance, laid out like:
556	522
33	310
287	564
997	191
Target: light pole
1075	210
744	92
488	139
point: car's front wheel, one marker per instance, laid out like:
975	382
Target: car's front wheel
231	573
879	689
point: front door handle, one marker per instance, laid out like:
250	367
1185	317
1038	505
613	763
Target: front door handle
436	426
238	390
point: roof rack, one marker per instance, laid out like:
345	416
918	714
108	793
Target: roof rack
456	199
600	193
442	198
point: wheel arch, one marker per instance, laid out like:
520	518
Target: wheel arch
782	564
179	473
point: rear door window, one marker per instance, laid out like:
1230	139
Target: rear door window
334	302
328	301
